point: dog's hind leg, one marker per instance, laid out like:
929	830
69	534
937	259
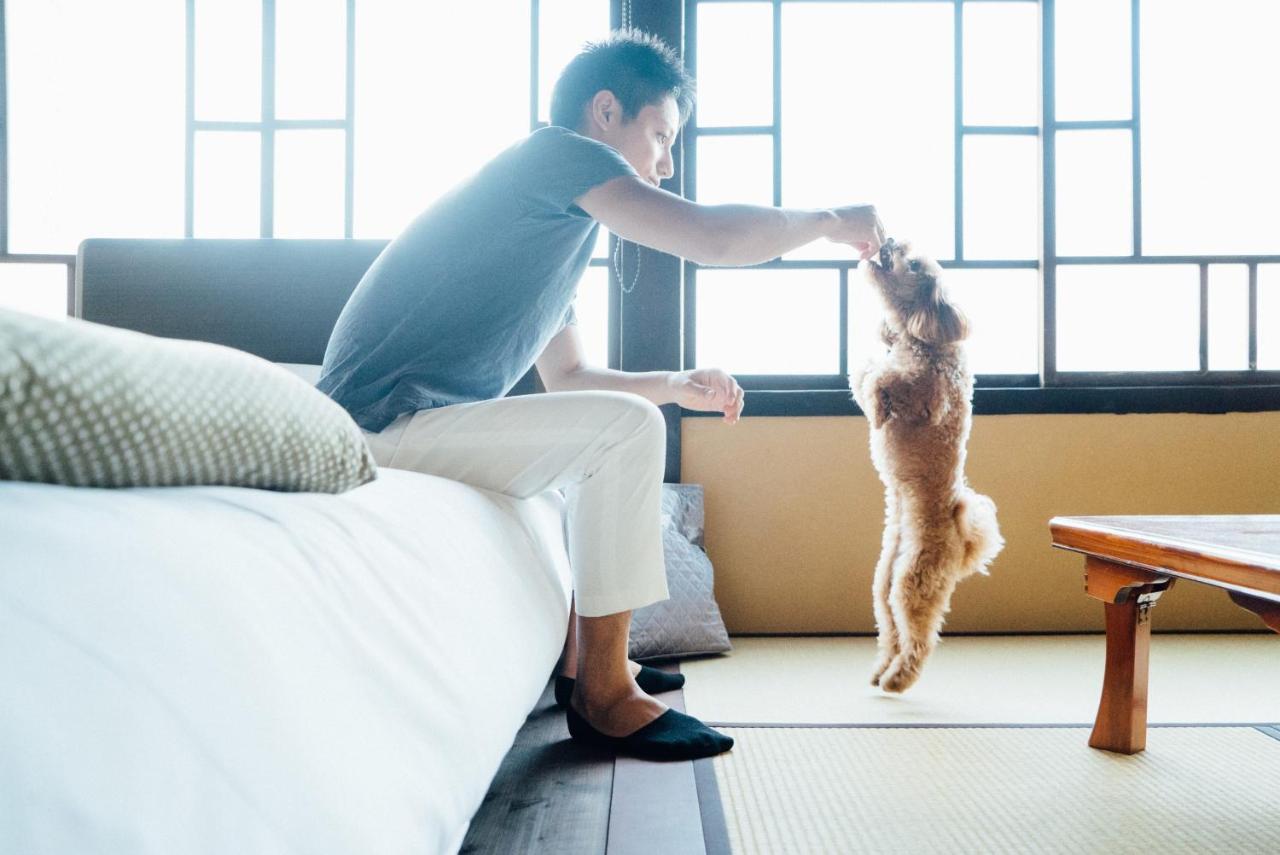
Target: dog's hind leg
887	635
920	599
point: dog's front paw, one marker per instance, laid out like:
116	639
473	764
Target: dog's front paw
882	665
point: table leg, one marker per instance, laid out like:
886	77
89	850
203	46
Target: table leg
1128	594
1268	610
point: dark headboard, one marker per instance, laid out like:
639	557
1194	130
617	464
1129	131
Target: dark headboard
275	298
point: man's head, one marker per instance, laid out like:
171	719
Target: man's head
630	91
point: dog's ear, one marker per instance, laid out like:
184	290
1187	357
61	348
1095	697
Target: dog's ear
936	319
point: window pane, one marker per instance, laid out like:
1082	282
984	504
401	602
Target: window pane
311	59
1128	318
1094	185
897	153
310	178
1003	308
1210	175
564	27
592	307
735	64
1269	317
228	60
735	169
769	321
228	191
407	156
1093	59
865	314
1001	197
1228	317
38	289
1001	64
95	105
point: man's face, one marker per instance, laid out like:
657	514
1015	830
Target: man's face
645	140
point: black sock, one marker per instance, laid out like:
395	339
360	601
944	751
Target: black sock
671	736
650	680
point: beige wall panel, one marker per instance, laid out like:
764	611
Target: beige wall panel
795	511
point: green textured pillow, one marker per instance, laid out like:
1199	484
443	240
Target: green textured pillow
95	406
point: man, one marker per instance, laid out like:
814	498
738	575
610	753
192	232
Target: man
480	286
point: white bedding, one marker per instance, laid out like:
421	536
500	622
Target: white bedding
232	671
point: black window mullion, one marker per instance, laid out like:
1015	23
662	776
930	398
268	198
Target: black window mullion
1204	316
844	320
777	103
651	310
266	221
533	64
958	122
1048	246
188	214
1253	316
349	189
4	138
1135	133
689	313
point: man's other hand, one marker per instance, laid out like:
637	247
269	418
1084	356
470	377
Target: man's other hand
860	227
708	389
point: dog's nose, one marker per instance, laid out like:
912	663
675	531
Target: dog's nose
886	254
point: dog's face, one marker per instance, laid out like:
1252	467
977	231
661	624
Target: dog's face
910	286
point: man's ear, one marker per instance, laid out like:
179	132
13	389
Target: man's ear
605	111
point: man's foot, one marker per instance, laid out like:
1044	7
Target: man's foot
651	681
671	736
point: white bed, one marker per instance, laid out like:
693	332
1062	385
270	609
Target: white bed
224	670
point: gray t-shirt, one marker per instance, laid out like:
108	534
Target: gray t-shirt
459	306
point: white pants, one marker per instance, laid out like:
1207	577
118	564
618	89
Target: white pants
606	450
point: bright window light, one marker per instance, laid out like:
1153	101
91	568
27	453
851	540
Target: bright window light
769	321
311	59
1210	129
96	99
592	308
1092	73
1001	198
227	192
735	64
1001	64
1228	317
420	75
1095	193
37	289
1129	317
310	183
737	169
878	126
228	58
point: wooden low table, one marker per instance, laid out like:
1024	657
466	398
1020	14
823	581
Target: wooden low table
1130	561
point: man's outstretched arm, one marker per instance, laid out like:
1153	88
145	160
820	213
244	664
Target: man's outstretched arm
563	368
724	235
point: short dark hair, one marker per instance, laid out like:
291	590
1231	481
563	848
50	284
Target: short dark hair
639	68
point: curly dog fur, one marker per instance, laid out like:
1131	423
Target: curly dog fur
917	400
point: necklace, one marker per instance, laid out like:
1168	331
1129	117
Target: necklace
617	247
618	267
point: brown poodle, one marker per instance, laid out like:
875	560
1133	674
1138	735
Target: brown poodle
917	400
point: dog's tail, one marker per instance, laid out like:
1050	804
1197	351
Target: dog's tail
975	518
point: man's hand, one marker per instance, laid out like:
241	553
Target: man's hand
860	227
707	389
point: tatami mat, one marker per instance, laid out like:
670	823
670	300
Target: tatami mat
1194	678
993	790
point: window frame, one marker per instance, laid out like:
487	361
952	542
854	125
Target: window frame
654	327
1049	390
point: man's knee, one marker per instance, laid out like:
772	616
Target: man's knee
638	415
